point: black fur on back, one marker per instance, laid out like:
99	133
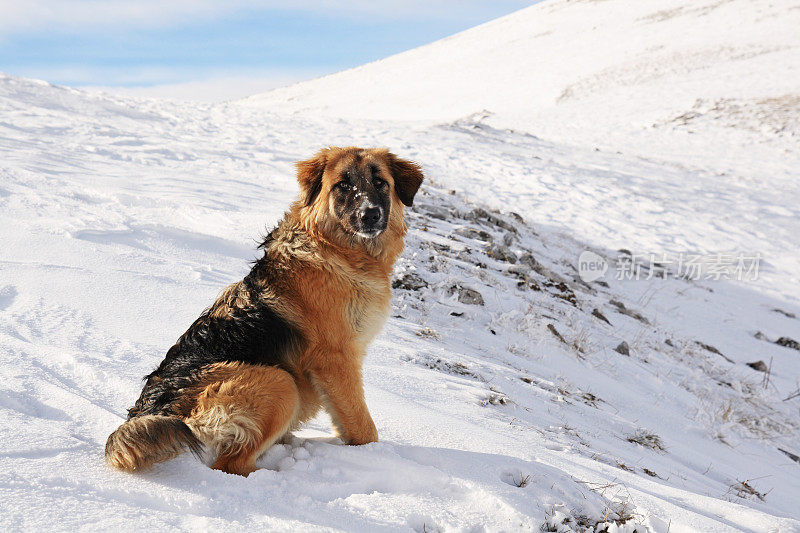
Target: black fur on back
254	335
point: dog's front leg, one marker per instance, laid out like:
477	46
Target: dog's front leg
339	381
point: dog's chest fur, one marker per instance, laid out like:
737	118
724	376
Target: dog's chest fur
368	309
357	307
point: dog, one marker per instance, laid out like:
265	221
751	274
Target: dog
289	338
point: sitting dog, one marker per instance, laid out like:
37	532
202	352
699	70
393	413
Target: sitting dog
291	336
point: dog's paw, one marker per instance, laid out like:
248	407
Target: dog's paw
365	436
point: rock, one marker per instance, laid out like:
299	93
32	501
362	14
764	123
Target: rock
596	313
623	348
542	270
628	312
501	253
788	343
482	215
472	233
761	366
669	342
409	282
464	255
466	295
564	292
519	271
790	455
528	260
555	332
434	211
441	248
712	349
708	347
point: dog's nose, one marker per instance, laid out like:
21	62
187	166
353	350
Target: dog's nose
371	215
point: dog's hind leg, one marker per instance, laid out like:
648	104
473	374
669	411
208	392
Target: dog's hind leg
244	413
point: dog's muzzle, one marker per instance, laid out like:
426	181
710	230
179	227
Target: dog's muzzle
371	221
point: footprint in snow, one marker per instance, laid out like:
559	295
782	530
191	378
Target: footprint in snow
27	405
8	294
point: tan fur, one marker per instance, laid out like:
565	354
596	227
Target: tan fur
144	440
334	287
242	411
342	286
234	296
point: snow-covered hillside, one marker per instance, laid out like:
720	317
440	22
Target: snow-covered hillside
509	393
640	77
708	91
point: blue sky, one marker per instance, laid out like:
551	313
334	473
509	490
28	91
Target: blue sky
207	49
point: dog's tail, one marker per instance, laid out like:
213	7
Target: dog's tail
148	439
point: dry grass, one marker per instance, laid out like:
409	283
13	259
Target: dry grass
792	395
589	399
428	333
581	341
767	375
615	513
625	467
752	414
642	437
448	367
744	490
523	480
495	397
585	397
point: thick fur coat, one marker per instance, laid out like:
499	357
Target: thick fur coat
289	338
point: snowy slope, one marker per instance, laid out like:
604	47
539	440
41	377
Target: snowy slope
121	219
498	387
636	76
565	50
706	88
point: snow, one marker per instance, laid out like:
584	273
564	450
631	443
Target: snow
616	72
122	218
647	79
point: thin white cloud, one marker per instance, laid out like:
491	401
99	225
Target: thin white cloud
31	15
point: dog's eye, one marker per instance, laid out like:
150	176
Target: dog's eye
376	176
343	185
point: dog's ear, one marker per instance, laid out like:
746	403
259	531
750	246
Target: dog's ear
407	178
309	175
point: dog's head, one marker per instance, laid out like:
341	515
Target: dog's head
356	193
